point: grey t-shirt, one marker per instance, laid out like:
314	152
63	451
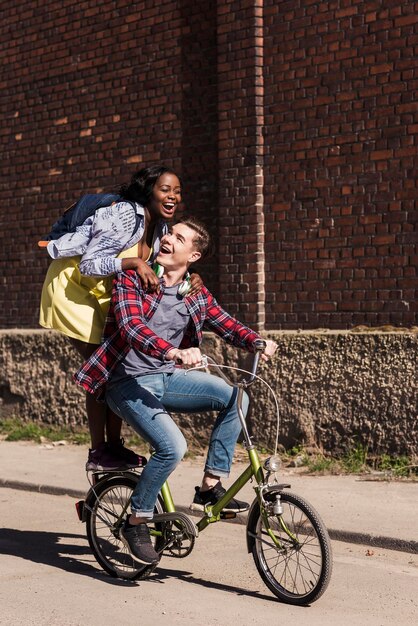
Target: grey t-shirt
169	321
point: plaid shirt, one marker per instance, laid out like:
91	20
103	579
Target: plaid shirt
126	327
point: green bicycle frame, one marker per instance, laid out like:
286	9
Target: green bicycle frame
213	513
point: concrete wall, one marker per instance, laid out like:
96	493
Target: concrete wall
335	389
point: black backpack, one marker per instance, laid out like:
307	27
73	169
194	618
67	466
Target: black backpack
77	213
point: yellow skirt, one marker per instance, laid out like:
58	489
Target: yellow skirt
74	304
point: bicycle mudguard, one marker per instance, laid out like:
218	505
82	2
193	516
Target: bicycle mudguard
253	512
100	477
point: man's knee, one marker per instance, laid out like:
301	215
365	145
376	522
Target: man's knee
233	401
182	450
173	450
176	454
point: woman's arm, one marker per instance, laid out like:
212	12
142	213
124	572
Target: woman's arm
70	244
112	229
196	284
149	280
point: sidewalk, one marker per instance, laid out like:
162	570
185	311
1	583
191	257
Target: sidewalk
354	509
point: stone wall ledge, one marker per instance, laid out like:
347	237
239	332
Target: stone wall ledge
335	389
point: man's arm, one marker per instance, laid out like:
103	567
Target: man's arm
227	327
233	331
129	303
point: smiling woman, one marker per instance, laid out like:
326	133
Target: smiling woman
166	195
76	291
77	287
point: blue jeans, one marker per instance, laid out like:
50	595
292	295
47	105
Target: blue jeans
144	402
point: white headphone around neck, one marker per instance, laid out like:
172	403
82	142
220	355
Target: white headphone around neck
183	288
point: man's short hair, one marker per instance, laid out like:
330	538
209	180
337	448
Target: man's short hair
202	240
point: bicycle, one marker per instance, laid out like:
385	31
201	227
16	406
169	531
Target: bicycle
286	536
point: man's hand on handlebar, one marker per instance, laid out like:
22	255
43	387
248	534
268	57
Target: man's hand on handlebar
269	350
188	357
191	357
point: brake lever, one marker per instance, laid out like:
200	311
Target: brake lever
202	365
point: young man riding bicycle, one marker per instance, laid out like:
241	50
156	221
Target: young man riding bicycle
146	335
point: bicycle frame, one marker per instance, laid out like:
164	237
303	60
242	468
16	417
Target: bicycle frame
287	538
213	513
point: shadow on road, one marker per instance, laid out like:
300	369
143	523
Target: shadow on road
70	552
60	550
160	575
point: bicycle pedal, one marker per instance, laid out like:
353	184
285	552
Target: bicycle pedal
227	515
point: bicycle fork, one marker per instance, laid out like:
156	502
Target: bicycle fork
269	499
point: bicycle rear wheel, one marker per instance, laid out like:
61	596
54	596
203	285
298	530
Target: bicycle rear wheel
106	508
292	551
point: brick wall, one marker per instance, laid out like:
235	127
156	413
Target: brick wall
341	122
90	93
241	204
293	124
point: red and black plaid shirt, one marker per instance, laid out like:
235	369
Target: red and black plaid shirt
126	327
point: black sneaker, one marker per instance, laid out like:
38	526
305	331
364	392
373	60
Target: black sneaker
211	496
139	542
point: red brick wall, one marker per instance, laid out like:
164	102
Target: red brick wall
341	154
293	125
90	93
241	217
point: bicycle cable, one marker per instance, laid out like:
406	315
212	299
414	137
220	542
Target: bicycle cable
205	365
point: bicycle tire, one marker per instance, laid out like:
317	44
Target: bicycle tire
104	508
299	569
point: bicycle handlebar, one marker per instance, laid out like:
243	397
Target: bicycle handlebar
259	345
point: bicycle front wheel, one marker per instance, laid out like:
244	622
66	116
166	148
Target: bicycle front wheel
292	551
106	509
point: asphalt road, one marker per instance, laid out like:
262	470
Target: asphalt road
49	577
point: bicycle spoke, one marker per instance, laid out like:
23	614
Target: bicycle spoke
292	553
105	513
